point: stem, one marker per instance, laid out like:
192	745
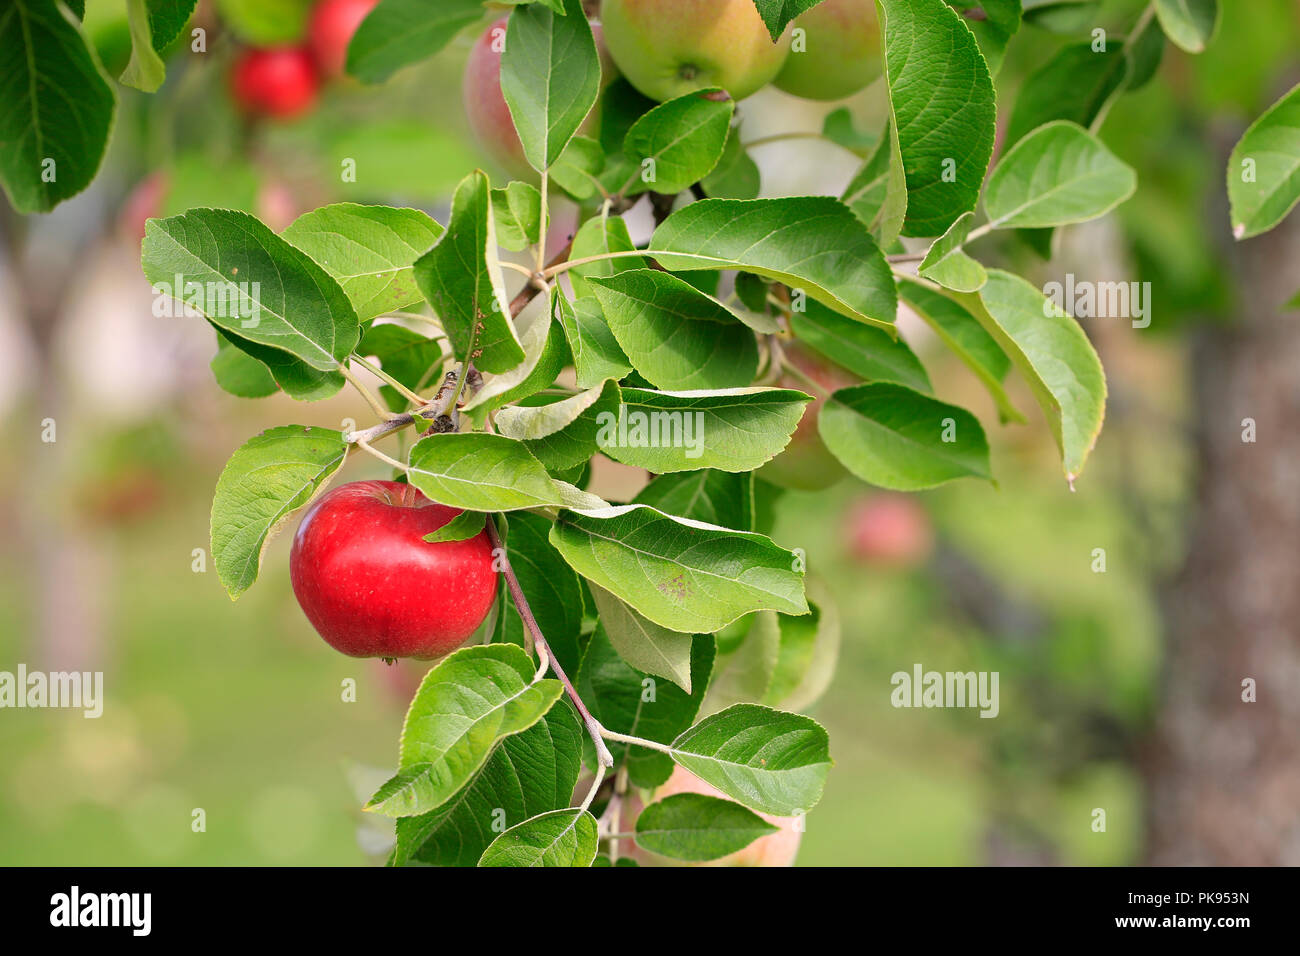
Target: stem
364	446
603	756
783	137
635	741
375	370
979	233
908	256
796	372
375	405
543	225
523	270
591	794
550	272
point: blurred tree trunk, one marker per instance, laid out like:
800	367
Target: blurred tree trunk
1223	775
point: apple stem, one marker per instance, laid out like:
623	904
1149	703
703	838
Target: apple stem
594	728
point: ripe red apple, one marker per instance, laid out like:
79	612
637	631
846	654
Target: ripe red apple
279	82
806	464
485	105
840	52
373	587
333	23
889	529
668	48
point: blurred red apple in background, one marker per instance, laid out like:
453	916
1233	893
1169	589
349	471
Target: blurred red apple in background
889	529
333	23
280	82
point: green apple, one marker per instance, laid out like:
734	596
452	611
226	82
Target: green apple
667	48
836	54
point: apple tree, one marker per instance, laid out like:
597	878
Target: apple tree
744	343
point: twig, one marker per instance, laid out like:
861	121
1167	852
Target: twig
375	370
375	405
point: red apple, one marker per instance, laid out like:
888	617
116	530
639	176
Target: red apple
279	82
890	529
333	23
373	587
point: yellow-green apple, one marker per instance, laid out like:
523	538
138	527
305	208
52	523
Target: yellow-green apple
330	30
373	587
806	464
667	48
889	529
836	54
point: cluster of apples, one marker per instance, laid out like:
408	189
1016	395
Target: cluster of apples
283	82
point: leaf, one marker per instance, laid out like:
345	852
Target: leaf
370	250
545	354
813	243
474	697
477	471
681	141
994	23
559	838
803	673
600	236
695	827
1078	84
877	194
839	129
461	279
265	481
53	142
295	377
675	335
734	429
550	77
714	497
944	110
578	169
561	434
398	33
527	774
1057	175
1189	23
769	760
642	643
682	574
596	353
777	14
861	349
466	525
239	373
518	212
947	262
247	280
550	586
628	700
893	437
1270	152
145	70
963	334
736	176
1055	357
408	356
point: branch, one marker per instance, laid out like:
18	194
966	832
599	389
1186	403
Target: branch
594	728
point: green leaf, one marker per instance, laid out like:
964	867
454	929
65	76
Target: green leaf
994	23
813	243
838	127
1191	24
578	170
528	773
1057	175
408	356
963	334
685	575
145	71
550	586
265	481
947	263
370	251
943	107
550	77
714	497
777	14
769	760
679	142
398	33
295	377
894	437
561	434
559	838
1055	357
264	22
877	194
1264	169
695	827
1078	84
57	107
251	282
545	354
734	429
475	697
518	212
628	700
861	349
461	279
480	472
736	176
675	335
642	643
239	373
807	651
596	353
600	236
466	525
